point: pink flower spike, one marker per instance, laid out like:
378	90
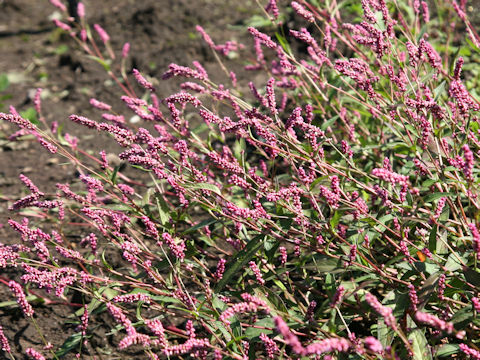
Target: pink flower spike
271	96
272	7
31	186
37	101
474	354
102	33
142	81
100	105
205	36
300	10
476	239
61	25
32	353
337	298
257	272
384	311
4	341
426	12
434	322
17	290
84	121
125	50
270	347
263	38
58	4
290	338
220	269
373	345
17	119
81	10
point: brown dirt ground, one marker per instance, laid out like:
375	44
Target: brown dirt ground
35	54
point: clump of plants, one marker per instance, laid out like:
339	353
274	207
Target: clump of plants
330	211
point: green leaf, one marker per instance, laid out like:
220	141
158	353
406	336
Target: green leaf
327	264
258	21
70	343
329	122
335	219
427	289
238	261
432	239
438	195
440	89
113	178
31	115
262	326
204	186
472	276
104	63
453	264
462	317
4	83
421	349
163	209
200	225
445	350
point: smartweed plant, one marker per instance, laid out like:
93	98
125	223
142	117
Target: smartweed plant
329	212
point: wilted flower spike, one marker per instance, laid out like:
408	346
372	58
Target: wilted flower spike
309	315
